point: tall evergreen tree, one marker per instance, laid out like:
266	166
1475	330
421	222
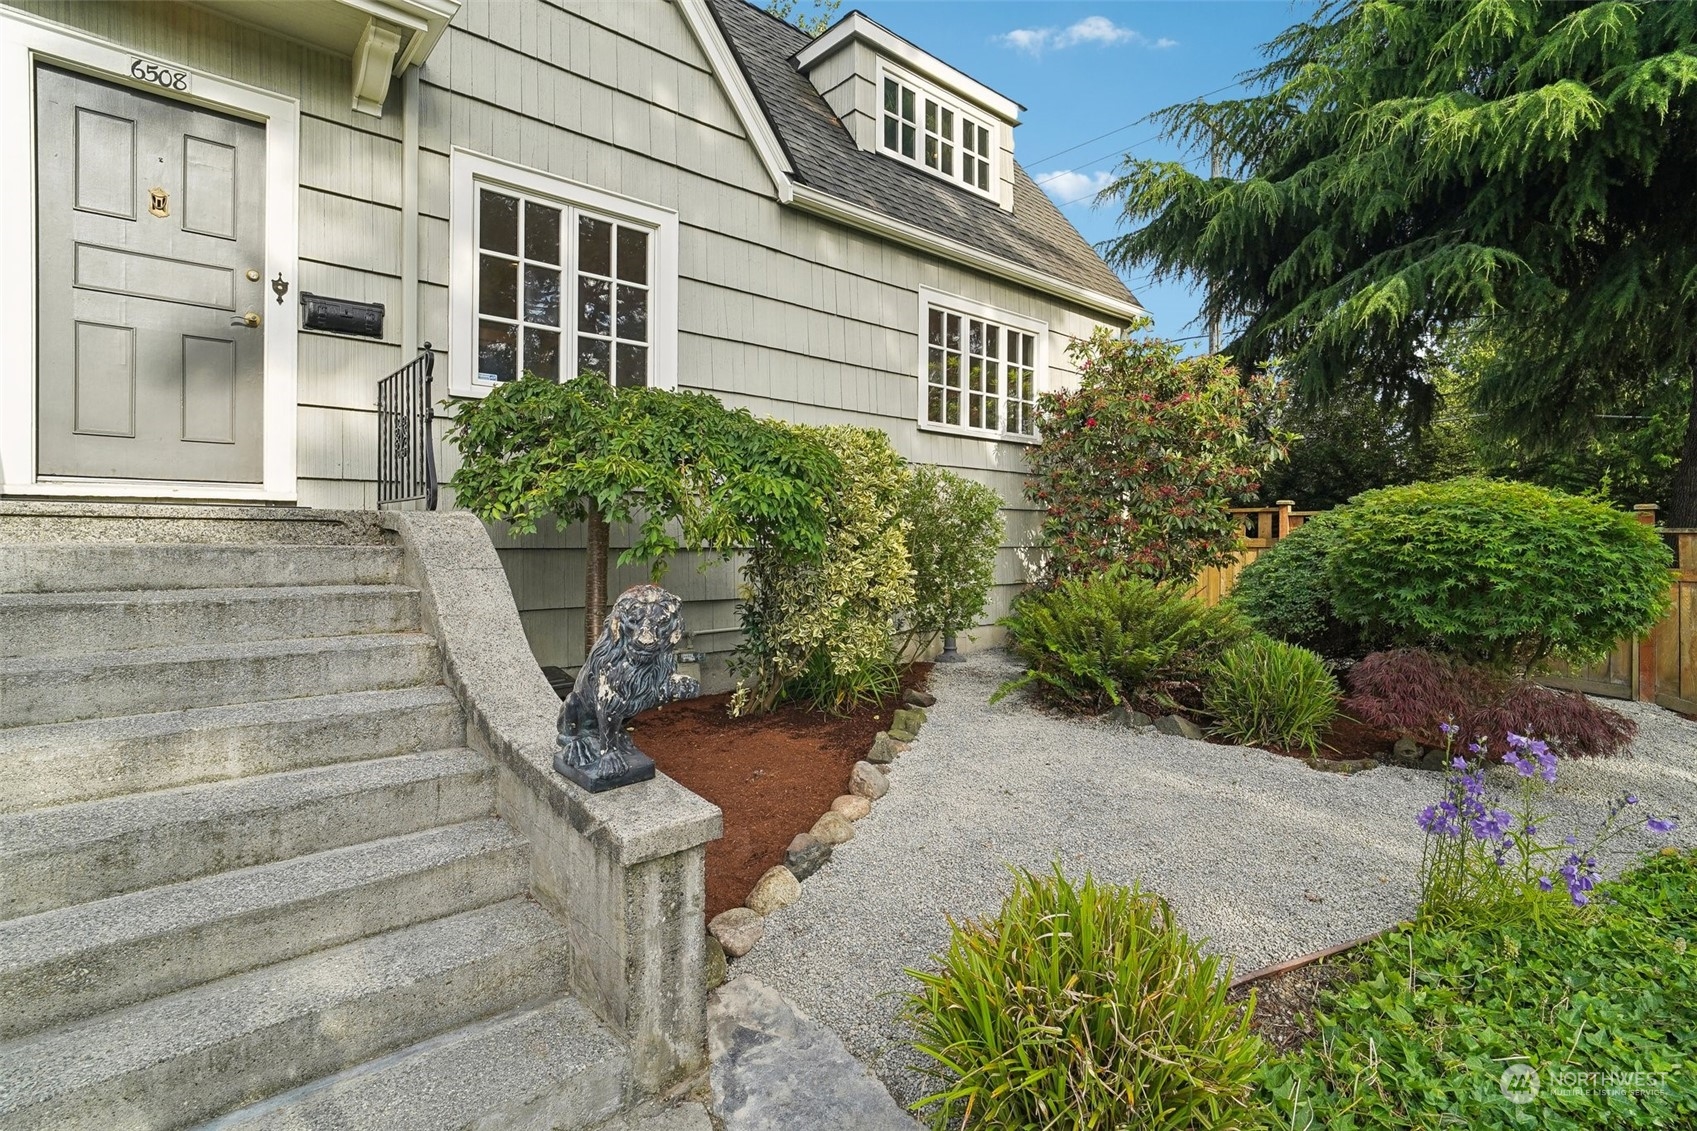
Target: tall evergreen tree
1404	170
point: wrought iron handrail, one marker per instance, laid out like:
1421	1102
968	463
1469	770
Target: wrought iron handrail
406	453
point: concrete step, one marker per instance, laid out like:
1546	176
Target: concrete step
70	624
79	961
81	567
97	685
191	1056
547	1067
61	763
73	854
47	520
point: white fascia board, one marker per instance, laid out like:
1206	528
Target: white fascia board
735	85
893	47
834	208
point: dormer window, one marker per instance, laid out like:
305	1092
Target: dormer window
922	126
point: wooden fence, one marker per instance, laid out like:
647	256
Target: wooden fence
1262	526
1660	668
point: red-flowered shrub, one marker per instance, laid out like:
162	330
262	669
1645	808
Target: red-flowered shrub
1139	467
1411	692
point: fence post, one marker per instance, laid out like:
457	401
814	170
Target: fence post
1285	506
1644	657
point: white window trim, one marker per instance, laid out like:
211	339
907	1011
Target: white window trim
467	171
971	308
26	40
961	110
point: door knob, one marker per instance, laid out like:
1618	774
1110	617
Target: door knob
250	320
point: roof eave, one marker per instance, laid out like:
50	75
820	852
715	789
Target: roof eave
812	200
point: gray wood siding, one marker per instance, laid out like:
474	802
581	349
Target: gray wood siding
779	311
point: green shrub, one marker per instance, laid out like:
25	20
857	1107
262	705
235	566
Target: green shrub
1082	1007
823	629
1100	640
1502	574
954	531
1423	1036
1285	594
1139	466
1270	693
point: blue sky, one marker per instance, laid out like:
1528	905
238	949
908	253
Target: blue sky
1085	69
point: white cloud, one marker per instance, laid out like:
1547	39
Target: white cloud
1097	30
1066	186
1029	39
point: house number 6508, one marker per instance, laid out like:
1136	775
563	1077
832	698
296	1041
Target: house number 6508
159	76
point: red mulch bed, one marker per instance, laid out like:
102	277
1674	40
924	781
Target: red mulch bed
1344	740
772	776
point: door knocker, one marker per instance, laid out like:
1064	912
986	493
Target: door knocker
279	287
159	202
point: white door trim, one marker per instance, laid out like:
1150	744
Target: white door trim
25	41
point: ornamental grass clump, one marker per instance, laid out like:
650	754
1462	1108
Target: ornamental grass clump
1268	693
1487	863
1094	642
1082	1006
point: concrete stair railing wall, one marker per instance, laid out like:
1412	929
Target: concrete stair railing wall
281	845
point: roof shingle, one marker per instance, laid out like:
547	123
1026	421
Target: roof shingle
1034	235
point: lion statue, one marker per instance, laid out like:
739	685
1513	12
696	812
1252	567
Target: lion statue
631	668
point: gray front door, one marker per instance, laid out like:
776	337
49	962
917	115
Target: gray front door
150	241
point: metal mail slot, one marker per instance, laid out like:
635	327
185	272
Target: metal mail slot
342	316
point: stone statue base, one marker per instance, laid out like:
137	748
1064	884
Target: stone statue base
596	779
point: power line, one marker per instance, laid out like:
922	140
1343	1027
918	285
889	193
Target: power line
1127	126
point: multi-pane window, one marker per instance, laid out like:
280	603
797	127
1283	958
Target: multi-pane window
980	375
901	119
559	291
921	127
975	154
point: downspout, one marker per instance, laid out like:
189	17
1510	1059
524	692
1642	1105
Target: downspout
410	340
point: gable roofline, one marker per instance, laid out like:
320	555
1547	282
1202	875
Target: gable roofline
835	208
755	122
773	154
858	25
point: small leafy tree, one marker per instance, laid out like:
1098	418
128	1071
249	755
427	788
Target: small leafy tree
698	475
1507	575
824	11
954	531
823	627
1138	468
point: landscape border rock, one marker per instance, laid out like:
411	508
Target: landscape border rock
868	781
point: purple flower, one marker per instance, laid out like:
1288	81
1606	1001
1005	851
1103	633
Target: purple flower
1661	824
1493	824
1632	799
1441	819
1545	883
1448	729
1522	766
1476	747
1458	763
1518	741
1546	763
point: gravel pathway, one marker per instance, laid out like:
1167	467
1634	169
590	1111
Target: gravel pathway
1263	856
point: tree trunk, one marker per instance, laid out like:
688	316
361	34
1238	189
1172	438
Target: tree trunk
594	578
1682	493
